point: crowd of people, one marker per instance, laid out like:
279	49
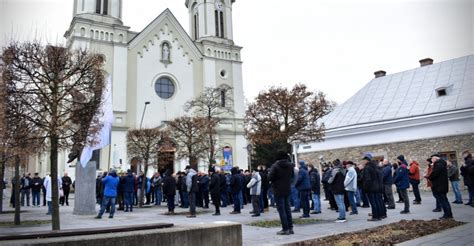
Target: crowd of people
37	189
284	185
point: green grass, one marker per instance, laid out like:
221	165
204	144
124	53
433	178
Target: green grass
276	223
24	223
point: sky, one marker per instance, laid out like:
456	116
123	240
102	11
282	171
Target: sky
332	46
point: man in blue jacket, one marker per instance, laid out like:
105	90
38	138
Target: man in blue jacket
128	188
402	181
110	183
303	185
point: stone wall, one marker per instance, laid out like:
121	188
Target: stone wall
210	234
417	150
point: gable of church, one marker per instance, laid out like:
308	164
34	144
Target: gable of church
165	27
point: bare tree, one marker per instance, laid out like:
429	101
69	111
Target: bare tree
191	134
287	116
144	144
60	92
18	138
213	104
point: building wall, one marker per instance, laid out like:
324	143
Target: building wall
418	150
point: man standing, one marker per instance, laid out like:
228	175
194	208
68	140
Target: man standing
128	189
315	180
204	189
350	184
467	171
25	187
215	189
169	190
303	185
236	189
439	185
402	182
66	189
255	186
192	188
280	175
110	182
371	187
49	194
156	183
415	180
36	184
453	175
338	175
387	183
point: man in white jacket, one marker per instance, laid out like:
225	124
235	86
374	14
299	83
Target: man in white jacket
48	185
255	186
350	184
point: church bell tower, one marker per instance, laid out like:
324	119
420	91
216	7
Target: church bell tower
210	20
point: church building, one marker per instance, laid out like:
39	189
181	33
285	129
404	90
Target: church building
162	67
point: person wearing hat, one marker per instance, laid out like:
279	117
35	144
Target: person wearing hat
215	190
280	175
373	187
128	189
350	184
336	181
440	184
402	182
110	182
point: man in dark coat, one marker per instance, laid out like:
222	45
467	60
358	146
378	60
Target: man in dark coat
467	171
303	185
36	184
387	183
402	182
372	186
128	189
215	189
338	175
280	176
440	184
236	185
315	188
67	182
169	190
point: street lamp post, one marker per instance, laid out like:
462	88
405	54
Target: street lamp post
143	115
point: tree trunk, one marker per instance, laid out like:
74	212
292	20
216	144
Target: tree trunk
2	184
143	189
193	162
54	182
17	190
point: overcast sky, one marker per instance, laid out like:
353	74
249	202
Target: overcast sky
330	45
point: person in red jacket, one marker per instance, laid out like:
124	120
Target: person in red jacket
414	176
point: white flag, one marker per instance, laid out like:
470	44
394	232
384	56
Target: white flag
106	120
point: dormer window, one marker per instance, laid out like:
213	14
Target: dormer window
441	92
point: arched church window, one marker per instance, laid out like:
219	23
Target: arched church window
164	87
223	92
219	19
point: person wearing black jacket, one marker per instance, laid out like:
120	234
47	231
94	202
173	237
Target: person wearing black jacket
360	185
372	186
36	184
440	184
315	188
467	172
236	184
67	182
128	189
265	187
215	189
280	176
327	188
25	187
336	181
169	190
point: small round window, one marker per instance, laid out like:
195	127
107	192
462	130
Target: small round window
164	88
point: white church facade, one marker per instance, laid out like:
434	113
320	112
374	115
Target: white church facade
162	65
